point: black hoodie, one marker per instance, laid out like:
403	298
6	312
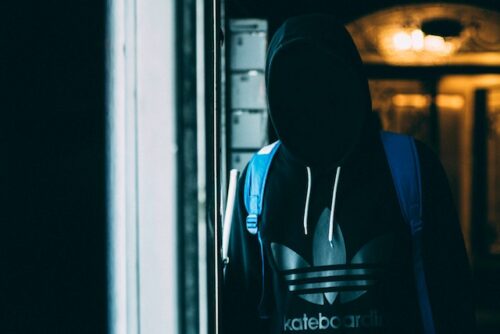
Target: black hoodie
337	251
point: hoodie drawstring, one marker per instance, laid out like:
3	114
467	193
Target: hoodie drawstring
332	210
306	209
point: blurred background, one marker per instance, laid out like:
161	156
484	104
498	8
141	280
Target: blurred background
124	117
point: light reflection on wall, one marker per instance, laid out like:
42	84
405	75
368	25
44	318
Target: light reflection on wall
466	85
448	101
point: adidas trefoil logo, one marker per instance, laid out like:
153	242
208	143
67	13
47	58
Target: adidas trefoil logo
331	277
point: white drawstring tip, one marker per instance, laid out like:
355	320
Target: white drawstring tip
332	210
306	209
330	232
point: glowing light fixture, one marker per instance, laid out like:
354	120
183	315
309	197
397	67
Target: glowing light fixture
428	34
402	41
417	41
438	44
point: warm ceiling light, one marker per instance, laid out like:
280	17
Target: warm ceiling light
417	40
402	41
405	41
437	44
462	34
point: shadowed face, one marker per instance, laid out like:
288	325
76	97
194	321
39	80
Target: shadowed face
317	103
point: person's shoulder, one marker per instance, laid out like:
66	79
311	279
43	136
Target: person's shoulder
432	169
427	155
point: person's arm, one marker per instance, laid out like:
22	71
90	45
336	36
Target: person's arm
242	281
446	263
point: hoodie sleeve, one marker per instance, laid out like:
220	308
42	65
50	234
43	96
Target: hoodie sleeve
242	281
448	272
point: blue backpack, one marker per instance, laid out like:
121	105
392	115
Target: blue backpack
404	164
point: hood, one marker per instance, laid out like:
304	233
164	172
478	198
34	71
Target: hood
317	92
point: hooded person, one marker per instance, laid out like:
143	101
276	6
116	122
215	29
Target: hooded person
334	254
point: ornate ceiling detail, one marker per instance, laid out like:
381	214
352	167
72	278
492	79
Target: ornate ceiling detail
429	34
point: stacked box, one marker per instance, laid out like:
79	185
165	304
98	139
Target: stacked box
248	102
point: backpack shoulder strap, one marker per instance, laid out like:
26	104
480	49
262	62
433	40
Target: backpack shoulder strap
255	182
404	164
